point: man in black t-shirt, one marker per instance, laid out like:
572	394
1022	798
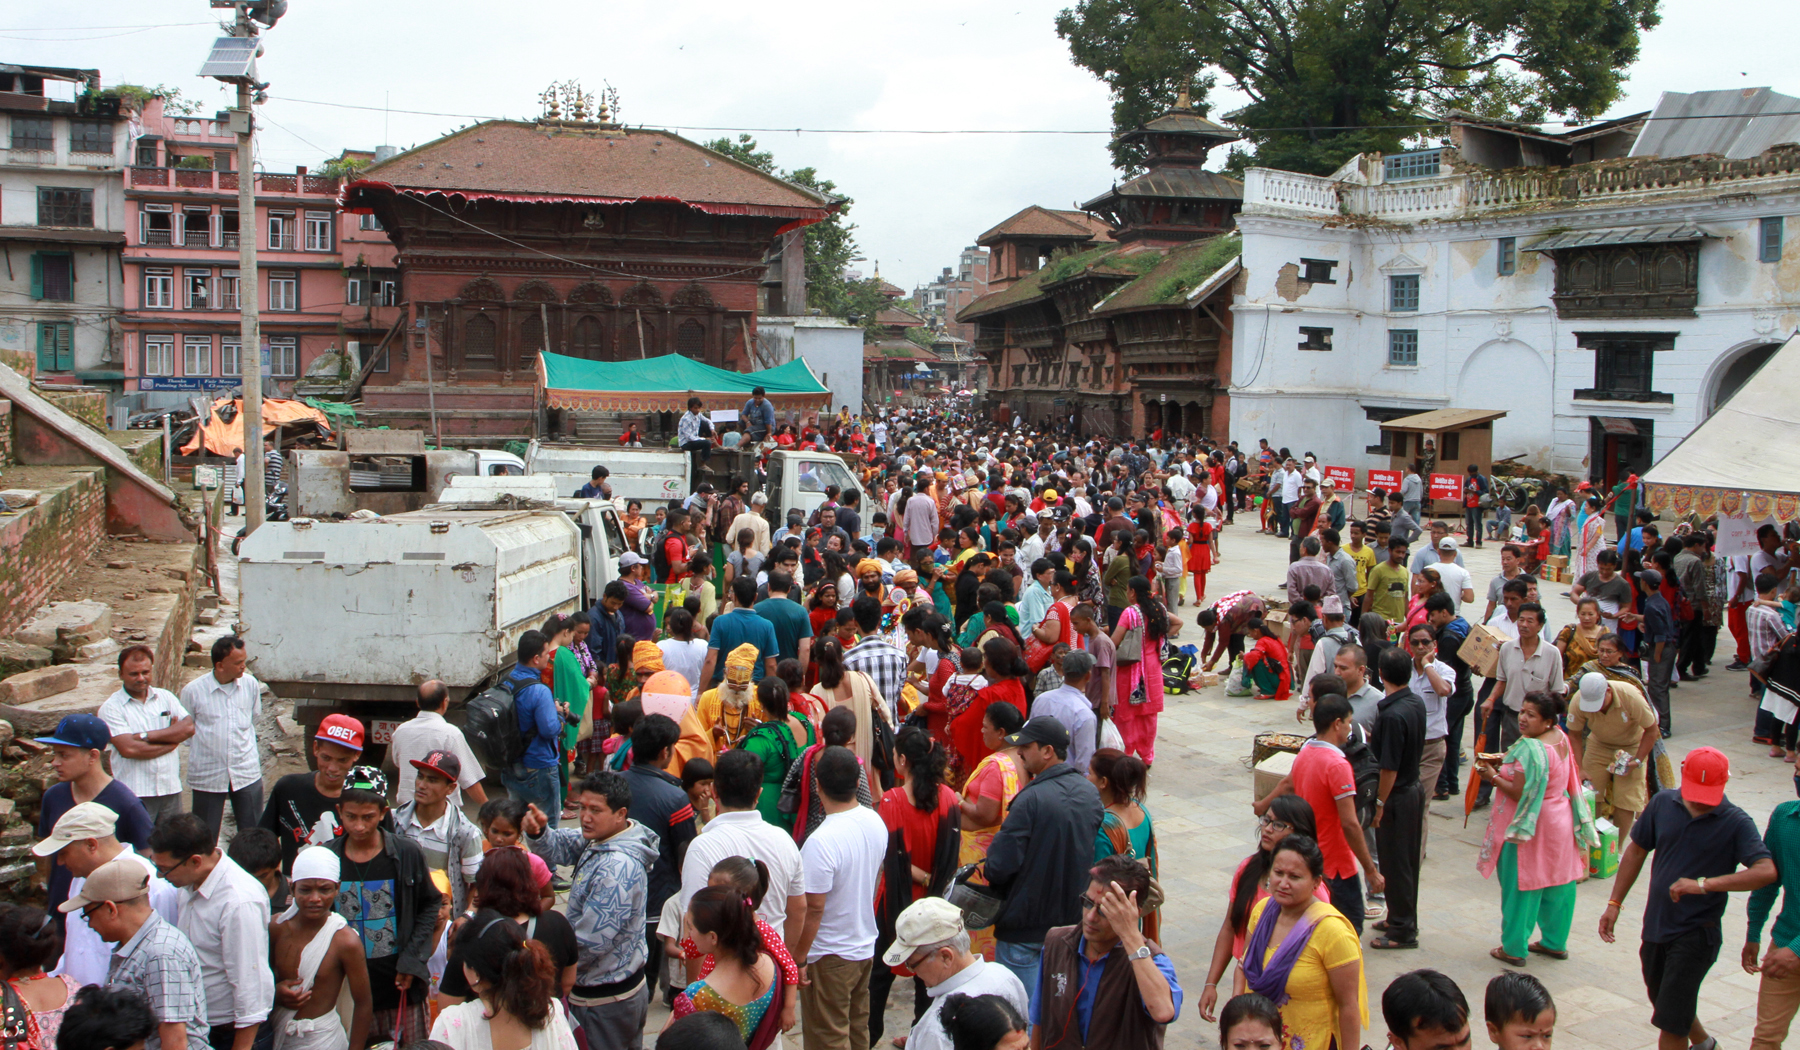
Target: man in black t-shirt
1399	797
302	808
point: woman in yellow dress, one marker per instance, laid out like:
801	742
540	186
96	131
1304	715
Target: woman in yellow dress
987	795
1304	956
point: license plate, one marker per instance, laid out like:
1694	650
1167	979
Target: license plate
381	731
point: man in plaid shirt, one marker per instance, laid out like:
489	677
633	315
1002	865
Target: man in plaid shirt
875	656
153	958
1766	634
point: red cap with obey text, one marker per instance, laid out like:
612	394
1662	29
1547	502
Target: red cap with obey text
341	730
1703	775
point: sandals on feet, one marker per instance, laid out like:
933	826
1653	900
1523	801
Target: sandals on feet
1537	948
1510	960
1388	943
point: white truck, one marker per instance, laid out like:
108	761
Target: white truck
659	476
351	616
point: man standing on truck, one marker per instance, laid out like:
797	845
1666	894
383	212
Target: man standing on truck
759	416
533	779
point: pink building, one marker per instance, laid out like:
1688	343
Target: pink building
326	279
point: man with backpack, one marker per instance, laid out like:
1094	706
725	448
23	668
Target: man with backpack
1324	777
1325	648
532	774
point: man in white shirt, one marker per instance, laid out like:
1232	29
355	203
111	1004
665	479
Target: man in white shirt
1069	705
1031	548
1454	577
85	838
929	939
842	860
147	725
752	519
739	831
427	732
223	758
225	914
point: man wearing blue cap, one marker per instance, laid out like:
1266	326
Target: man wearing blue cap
75	756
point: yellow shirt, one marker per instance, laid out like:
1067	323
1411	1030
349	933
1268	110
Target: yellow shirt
1310	1018
727	729
1365	560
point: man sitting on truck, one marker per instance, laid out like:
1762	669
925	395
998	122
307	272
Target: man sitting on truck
758	415
598	488
533	779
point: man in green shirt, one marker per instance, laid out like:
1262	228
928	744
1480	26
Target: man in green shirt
1779	996
1389	584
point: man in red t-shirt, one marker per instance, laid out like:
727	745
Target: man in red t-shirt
676	547
1323	777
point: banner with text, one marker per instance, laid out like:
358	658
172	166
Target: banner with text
1343	478
1446	486
1388	480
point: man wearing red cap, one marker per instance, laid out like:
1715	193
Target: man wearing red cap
1700	840
302	809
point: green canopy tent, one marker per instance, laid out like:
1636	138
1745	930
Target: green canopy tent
663	384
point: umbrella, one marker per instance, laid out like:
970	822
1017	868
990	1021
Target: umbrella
1474	787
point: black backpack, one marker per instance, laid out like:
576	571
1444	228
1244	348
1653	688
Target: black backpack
491	725
1367	769
1178	669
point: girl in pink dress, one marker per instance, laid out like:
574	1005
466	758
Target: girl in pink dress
1538	835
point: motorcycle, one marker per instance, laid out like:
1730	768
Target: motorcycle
275	508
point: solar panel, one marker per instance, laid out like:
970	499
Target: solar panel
232	57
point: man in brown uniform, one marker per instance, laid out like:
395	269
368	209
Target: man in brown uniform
1617	718
315	953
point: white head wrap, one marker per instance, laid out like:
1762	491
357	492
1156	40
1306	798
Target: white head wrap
316	862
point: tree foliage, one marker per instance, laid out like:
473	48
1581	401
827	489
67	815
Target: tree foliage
830	244
1331	78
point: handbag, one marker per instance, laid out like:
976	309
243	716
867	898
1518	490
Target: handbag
1131	647
980	904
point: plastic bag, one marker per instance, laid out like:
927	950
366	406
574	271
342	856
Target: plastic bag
1237	683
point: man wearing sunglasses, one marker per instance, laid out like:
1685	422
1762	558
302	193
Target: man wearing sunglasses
83	839
153	958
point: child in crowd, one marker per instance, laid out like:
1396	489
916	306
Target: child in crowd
1250	1022
1051	676
617	747
502	824
1520	1013
258	852
1173	566
697	781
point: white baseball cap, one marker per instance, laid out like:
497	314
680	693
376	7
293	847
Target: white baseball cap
1593	691
1448	543
929	920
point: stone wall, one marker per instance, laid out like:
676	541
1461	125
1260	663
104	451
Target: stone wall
89	406
6	453
42	545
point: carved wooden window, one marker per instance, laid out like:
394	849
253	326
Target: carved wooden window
1628	280
589	339
690	340
479	340
1624	365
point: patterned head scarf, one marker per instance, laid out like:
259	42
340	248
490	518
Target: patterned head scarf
646	655
905	576
740	666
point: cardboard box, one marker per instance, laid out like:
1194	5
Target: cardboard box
1270	771
1481	650
1603	860
1274	618
1561	561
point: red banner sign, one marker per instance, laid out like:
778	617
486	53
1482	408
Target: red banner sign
1388	480
1344	478
1446	486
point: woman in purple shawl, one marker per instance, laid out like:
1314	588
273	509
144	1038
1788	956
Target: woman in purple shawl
1304	955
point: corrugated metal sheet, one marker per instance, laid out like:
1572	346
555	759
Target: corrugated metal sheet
1676	231
1734	124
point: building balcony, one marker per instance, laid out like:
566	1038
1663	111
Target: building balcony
207	179
1034	337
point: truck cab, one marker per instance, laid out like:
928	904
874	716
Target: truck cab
799	479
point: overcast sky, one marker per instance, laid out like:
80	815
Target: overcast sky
689	64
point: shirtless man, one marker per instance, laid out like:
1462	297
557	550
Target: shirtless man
315	952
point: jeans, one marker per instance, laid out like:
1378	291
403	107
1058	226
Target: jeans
618	1025
1023	960
246	806
1411	507
1657	673
1472	525
1347	897
535	786
1283	517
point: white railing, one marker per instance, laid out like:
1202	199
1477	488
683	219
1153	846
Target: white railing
1268	188
1409	200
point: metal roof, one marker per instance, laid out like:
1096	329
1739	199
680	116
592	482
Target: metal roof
1674	231
1176	182
1735	124
1442	419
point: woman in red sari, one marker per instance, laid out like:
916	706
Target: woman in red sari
1004	670
1266	662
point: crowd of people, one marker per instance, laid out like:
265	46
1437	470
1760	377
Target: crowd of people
907	737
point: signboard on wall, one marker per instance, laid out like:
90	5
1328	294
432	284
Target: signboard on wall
1343	478
1446	486
188	383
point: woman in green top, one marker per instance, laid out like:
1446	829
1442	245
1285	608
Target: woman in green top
570	683
1117	575
931	581
1125	826
778	742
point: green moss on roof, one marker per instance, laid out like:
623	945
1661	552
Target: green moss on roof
1069	265
1174	275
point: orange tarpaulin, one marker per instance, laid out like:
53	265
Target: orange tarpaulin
227	439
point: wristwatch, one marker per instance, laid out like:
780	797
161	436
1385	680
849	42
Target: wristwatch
1143	952
144	737
1701	882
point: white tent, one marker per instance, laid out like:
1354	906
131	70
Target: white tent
1745	459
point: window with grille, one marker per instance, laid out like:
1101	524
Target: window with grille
228	228
690	340
56	346
158	356
281	231
479	339
227	298
284	290
230	363
159	288
1403	347
196	355
589	339
90	136
196	227
198	284
284	356
53	276
156	224
1420	164
33	133
1315	338
1506	256
1768	243
1622	366
531	339
318	231
1403	292
65	206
